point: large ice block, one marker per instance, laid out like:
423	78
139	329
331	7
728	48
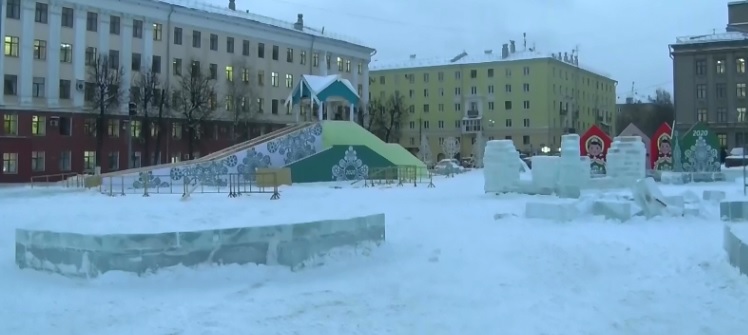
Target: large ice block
500	167
627	160
544	172
569	183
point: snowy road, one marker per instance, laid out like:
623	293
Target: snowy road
448	268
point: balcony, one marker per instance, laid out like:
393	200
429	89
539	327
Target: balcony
470	125
473	114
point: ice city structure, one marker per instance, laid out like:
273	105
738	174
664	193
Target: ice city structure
568	175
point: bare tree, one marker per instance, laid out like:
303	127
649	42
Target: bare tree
241	99
195	96
478	149
385	117
450	147
106	94
146	93
424	151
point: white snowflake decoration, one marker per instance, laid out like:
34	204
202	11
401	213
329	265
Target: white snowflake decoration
350	167
701	157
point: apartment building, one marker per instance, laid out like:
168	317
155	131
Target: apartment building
710	81
49	120
526	96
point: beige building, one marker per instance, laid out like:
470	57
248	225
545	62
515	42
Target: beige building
48	44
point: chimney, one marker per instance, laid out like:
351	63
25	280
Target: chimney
576	60
488	52
232	4
505	51
299	25
413	56
566	57
559	56
512	47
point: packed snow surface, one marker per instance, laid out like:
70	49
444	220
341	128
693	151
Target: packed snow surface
448	267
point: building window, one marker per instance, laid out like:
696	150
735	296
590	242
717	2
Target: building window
260	50
114	59
276	52
245	48
176	130
526	87
37	87
176	66
722	114
137	28
11	46
66	53
113	161
10	124
719	66
213	71
526	104
89	160
229	73
274	80
740	90
508	88
315	59
526	123
700	67
722	139
213	42
740	65
158	31
720	90
701	115
136	128
135	62
112	128
196	39
701	91
37	161
114	25
65	161
91	55
525	140
348	65
508	123
489	73
41	13
526	70
92	21
741	114
10	163
40	49
289	81
156	64
274	106
177	36
65	89
11	84
230	45
13	9
289	55
68	17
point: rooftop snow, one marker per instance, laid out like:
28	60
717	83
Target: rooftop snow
201	6
483	57
716	37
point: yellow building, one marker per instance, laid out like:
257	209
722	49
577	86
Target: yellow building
525	96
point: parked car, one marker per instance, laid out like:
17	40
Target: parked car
448	166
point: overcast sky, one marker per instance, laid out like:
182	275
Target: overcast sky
625	39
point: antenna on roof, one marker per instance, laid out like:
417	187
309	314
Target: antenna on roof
323	31
524	40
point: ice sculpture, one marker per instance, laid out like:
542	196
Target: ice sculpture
500	166
570	173
544	173
627	160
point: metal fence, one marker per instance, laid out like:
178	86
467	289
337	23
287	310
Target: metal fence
398	175
232	184
65	180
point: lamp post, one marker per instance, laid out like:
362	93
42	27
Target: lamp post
132	110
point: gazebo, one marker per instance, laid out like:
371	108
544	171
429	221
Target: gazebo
321	89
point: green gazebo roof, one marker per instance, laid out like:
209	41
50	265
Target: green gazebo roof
321	88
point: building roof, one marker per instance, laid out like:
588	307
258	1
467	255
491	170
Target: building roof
714	37
467	59
214	9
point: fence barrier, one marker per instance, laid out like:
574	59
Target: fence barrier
66	180
233	184
399	175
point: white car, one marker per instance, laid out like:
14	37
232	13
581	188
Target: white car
448	166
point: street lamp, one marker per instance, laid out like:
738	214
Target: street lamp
545	149
132	110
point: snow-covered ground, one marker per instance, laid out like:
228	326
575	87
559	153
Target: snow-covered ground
447	268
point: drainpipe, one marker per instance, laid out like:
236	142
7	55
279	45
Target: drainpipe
167	82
